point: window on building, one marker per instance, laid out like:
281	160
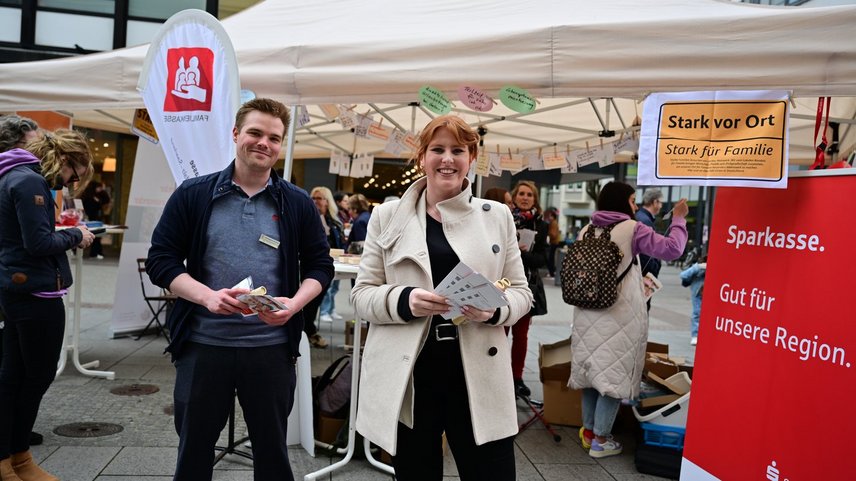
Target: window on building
94	6
161	9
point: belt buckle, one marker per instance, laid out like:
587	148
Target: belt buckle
450	334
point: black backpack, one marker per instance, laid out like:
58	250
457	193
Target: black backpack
590	268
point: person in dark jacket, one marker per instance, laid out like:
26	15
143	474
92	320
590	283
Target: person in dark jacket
15	132
95	200
34	277
652	202
243	221
358	206
527	217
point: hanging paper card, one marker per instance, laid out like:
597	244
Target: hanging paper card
334	163
345	165
302	115
533	160
347	118
434	100
330	111
517	99
475	98
363	124
585	156
482	165
510	162
494	164
606	157
395	144
627	144
378	131
360	166
368	165
554	161
570	165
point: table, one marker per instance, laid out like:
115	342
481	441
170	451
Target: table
72	322
349	271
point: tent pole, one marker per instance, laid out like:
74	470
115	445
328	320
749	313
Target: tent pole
289	149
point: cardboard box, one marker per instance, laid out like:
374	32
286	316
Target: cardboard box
658	400
349	333
327	428
678	383
562	405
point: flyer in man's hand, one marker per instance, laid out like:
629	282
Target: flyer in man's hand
257	299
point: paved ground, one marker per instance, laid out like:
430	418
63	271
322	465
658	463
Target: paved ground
146	447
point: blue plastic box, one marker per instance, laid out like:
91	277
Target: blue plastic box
665	436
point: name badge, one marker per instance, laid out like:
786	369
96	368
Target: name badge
269	241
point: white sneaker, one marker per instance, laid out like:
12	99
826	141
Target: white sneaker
335	315
693	341
326	318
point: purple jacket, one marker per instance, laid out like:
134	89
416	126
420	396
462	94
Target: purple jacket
645	239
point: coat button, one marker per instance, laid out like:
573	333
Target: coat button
492	351
485	206
495	248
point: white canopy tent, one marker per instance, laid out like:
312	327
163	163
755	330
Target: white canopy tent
562	51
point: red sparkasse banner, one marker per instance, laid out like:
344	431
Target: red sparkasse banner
775	374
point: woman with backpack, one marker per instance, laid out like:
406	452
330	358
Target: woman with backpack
608	344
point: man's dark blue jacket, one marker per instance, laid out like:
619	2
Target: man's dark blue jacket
649	264
180	235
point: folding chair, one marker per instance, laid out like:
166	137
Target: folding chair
537	408
158	304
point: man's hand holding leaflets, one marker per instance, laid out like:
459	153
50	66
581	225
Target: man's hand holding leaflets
257	301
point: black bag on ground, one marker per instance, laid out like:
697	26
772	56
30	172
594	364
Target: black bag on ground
331	393
658	461
589	274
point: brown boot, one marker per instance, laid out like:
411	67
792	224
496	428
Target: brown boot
28	470
6	471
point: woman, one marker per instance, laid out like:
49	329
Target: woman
527	216
34	275
358	206
323	199
95	200
608	345
500	195
422	374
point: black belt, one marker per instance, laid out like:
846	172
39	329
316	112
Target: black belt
445	332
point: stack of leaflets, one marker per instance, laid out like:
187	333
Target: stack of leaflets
465	287
257	300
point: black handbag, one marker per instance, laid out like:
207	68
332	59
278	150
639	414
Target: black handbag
536	285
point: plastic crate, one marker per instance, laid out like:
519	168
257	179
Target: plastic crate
664	436
673	414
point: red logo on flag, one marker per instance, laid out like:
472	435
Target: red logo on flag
190	81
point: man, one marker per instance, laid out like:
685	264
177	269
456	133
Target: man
243	221
15	132
652	202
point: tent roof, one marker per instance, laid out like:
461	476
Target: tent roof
379	51
345	51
